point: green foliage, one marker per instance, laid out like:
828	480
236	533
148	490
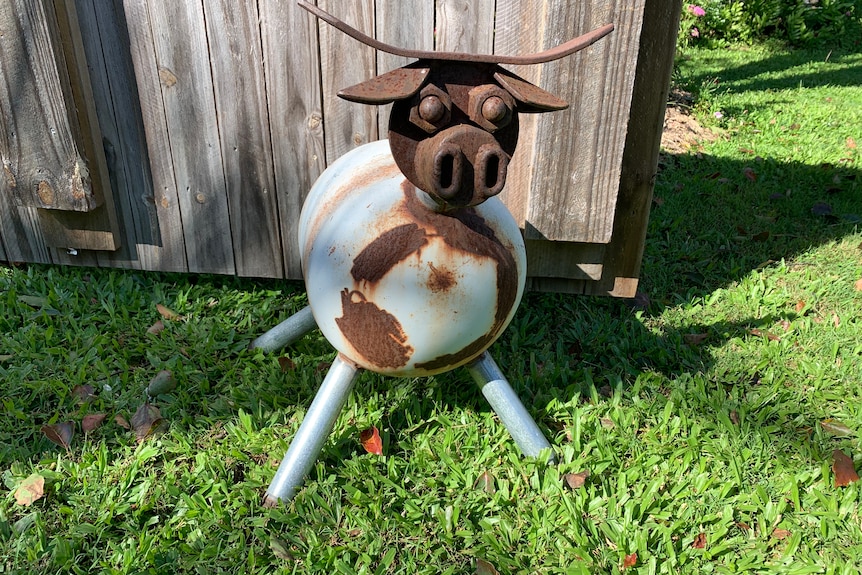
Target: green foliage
835	23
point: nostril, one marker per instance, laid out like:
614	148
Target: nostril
492	169
447	168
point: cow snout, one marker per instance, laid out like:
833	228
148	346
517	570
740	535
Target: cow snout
461	167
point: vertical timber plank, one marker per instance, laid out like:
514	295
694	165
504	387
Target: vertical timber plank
292	69
182	55
465	26
622	259
406	25
240	97
577	153
345	62
168	252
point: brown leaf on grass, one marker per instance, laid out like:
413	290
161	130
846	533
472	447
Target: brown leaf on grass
734	417
156	328
30	489
699	541
121	421
83	393
695	338
760	237
60	433
743	526
607	423
800	305
850	142
167	312
371	442
576	480
781	534
842	467
836	321
858	284
768	335
749	173
92	422
286	364
630	560
280	548
146	421
836	428
486	482
485	568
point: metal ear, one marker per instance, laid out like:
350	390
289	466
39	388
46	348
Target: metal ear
395	85
530	97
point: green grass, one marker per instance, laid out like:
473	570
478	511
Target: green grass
700	415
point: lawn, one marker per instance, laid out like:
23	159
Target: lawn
706	417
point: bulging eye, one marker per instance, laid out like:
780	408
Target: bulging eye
495	110
431	109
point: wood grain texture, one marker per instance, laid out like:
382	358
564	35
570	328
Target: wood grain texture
465	26
403	24
577	152
165	233
182	55
345	62
236	57
43	163
292	66
622	259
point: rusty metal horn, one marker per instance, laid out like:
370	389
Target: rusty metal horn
570	47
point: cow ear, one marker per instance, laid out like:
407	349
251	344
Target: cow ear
530	97
395	85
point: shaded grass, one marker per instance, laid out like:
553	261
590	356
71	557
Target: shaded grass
703	437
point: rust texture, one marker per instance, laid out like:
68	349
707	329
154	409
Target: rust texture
374	333
389	248
440	280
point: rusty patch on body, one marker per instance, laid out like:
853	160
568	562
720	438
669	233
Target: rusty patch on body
440	280
386	251
374	333
465	230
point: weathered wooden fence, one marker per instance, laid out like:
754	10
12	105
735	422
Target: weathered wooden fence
183	135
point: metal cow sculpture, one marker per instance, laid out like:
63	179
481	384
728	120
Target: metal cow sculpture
411	265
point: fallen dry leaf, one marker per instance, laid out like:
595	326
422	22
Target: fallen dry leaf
83	393
695	338
60	433
749	173
836	428
607	423
92	422
121	421
760	333
156	328
734	417
743	526
781	534
286	364
842	467
699	541
630	560
146	421
167	312
760	237
851	143
858	284
486	483
30	490
836	321
370	439
485	568
800	305
576	480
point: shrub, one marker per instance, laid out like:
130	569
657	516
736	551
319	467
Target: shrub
798	22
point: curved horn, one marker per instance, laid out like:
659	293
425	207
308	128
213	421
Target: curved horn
570	47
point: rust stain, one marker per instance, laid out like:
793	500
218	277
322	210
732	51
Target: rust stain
465	230
440	280
374	333
45	193
382	254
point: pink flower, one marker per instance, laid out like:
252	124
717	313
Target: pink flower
696	10
695	33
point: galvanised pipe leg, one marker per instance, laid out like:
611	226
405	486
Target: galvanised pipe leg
286	332
313	431
508	407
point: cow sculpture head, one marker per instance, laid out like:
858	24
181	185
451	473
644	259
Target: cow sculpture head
454	122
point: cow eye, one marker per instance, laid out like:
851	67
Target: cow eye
495	110
431	109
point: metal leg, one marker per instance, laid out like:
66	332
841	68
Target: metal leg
286	332
313	432
508	407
